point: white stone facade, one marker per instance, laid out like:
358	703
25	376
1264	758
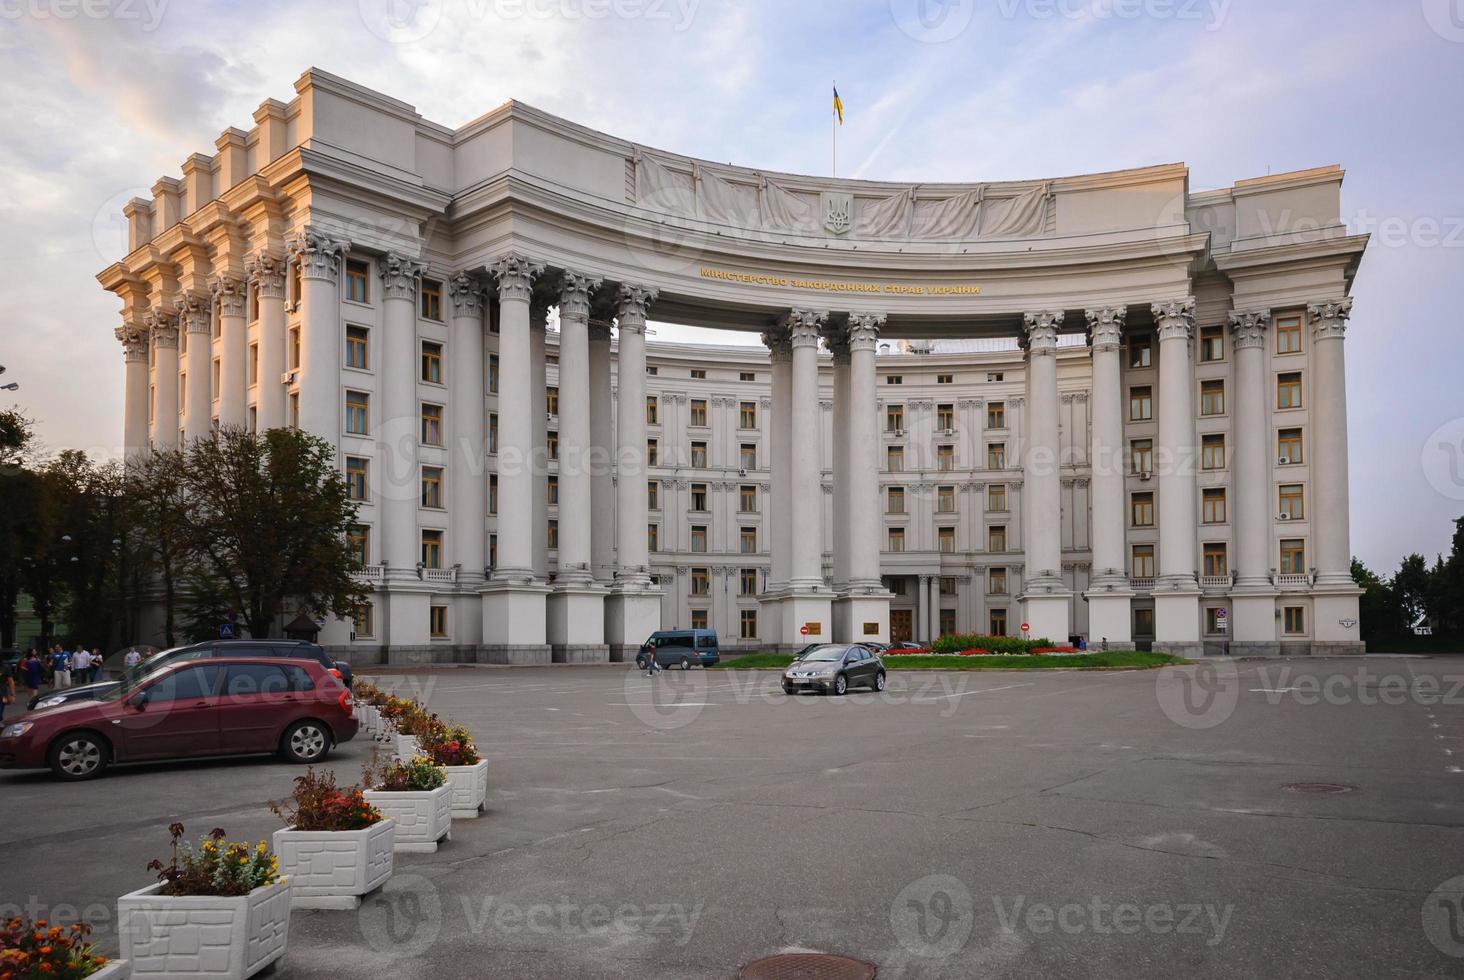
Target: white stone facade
1102	405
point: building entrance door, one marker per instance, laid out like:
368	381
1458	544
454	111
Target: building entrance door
902	627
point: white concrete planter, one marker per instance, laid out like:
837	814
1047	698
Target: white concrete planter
198	936
469	788
114	970
423	817
406	746
332	869
370	718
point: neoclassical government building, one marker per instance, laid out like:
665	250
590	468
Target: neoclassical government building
1101	406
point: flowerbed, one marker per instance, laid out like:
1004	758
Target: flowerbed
35	949
960	643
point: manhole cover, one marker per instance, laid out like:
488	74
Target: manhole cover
1319	788
807	966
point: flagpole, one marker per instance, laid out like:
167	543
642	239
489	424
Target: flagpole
834	124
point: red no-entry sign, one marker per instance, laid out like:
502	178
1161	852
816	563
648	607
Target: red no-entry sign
803	630
1026	627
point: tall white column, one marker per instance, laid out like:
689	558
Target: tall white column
806	571
838	341
267	273
467	410
923	632
1045	596
133	337
163	326
539	401
1110	617
862	612
780	455
396	428
321	407
602	426
195	327
1253	597
1176	590
231	299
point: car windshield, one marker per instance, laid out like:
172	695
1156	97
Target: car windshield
824	654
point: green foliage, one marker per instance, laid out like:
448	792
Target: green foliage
955	643
418	774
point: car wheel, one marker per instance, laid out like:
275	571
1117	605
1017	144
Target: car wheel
841	685
305	742
685	664
879	681
788	689
79	755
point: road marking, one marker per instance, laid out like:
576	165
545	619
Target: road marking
962	694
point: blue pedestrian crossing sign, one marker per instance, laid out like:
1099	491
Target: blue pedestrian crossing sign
226	631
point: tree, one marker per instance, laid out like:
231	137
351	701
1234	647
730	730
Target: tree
1411	586
17	498
1379	610
269	515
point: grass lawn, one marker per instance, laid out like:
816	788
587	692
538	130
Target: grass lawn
1113	658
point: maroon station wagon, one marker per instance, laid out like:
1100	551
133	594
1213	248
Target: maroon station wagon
223	706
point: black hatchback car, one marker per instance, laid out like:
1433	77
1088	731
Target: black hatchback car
286	649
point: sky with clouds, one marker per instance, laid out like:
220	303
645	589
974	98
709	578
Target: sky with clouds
98	98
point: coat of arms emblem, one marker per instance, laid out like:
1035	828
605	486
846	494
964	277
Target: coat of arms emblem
838	212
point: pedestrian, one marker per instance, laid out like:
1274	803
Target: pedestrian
31	674
7	694
96	664
60	668
131	662
651	666
81	666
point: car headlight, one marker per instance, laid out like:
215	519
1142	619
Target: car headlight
18	729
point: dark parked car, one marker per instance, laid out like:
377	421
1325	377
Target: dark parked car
835	667
681	648
188	709
291	649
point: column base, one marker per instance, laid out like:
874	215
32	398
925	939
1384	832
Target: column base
1110	619
1255	648
1048	614
796	610
576	624
631	616
516	655
1177	622
1253	622
407	615
862	616
1335	628
514	620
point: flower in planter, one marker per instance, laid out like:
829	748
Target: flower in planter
418	774
216	867
452	745
34	949
319	804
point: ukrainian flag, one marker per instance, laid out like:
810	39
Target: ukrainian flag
838	105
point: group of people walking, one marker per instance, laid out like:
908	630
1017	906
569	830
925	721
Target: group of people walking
57	668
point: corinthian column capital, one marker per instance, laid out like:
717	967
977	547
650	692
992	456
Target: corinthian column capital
162	327
318	254
467	295
1248	328
1105	328
778	343
574	294
1040	332
193	312
1329	319
268	271
228	295
632	301
1174	318
400	275
133	337
516	274
864	330
804	326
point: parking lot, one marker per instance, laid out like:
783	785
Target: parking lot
1267	819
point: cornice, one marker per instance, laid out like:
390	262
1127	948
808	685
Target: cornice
1329	249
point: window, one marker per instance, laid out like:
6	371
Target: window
1213	506
897	539
996	498
358	536
894	379
747	581
1141	352
493	374
1141	509
895	585
699	617
699	537
1294	619
356	347
218	371
996	456
1291	502
1213	619
747	376
493	432
945	379
1212	452
651	369
432	425
363	620
253	365
748	540
1141	403
895	500
254	301
189	684
698	411
945	457
294	410
431	299
551	535
652	410
551	489
1141	452
1288	335
653	537
357	403
1288	390
996	538
698	496
1288	447
945	416
431	362
551	401
747	415
357	275
698	372
998	622
747	624
492	551
437	622
747	499
296	288
996	581
945	540
1217	559
747	456
992	376
431	549
1212	397
653	495
699	455
894	418
1143	561
1293	557
1212	343
945	500
895	459
701	582
652	453
493	493
947	585
432	486
996	415
551	444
